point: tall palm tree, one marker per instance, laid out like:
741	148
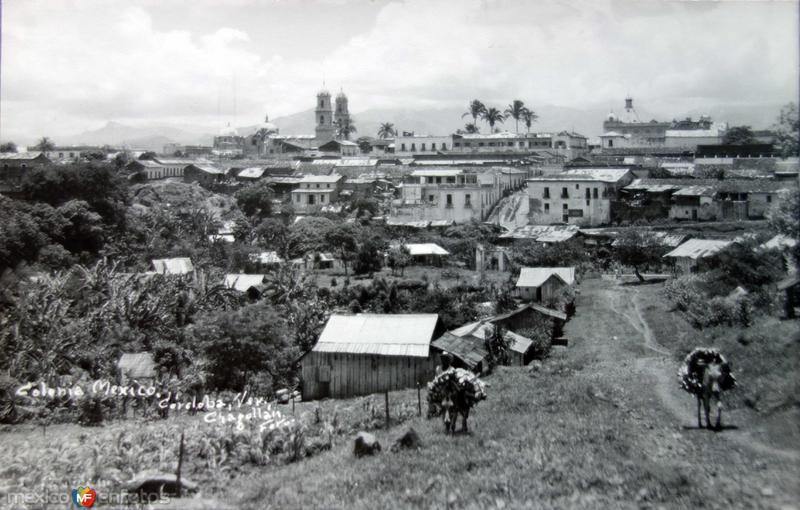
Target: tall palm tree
493	116
345	128
45	144
515	110
386	130
476	109
529	117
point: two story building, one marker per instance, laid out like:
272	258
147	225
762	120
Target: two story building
316	191
580	196
447	194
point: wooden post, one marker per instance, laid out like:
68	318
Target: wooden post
386	400
292	403
178	473
419	400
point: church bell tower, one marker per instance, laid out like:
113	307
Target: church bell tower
324	117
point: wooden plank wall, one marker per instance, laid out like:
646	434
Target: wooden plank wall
364	374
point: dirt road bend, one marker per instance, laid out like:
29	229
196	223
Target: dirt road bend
611	340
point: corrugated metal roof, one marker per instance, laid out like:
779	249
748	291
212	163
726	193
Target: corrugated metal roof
209	169
425	249
253	172
695	191
242	282
139	365
266	257
662	238
412	223
469	349
438	172
518	343
383	334
178	265
543	233
321	178
25	156
536	276
698	248
586	174
780	241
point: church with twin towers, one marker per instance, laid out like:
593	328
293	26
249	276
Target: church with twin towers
332	121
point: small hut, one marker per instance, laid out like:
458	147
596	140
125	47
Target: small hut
137	366
542	283
369	353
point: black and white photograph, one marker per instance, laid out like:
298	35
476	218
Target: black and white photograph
399	254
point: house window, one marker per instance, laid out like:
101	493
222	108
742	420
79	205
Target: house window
611	143
449	201
444	146
413	146
422	147
329	186
769	198
564	193
547	193
310	199
456	144
588	194
322	199
564	207
322	119
402	147
547	208
430	198
594	192
480	144
317	186
467	200
577	186
433	146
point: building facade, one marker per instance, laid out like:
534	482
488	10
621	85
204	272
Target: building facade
316	191
581	196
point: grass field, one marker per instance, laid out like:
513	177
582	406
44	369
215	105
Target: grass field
601	424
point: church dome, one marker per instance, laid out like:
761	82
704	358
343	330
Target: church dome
267	125
611	117
228	131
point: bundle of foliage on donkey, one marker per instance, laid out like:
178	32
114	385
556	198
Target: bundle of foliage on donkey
706	374
453	393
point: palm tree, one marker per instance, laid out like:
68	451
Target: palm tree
45	144
344	128
471	129
529	117
386	130
493	116
476	109
515	110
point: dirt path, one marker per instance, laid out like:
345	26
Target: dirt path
611	336
674	399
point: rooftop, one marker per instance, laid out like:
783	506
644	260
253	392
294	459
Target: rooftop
543	233
382	334
536	276
25	156
419	249
178	265
242	282
600	174
698	248
139	365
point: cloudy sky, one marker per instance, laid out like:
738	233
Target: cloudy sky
72	65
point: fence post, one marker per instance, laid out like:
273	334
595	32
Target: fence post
419	400
178	473
386	401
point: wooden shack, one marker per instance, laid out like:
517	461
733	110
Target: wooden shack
363	353
542	283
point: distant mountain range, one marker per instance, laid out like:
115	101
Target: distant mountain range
587	121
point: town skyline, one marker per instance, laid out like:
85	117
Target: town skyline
233	63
